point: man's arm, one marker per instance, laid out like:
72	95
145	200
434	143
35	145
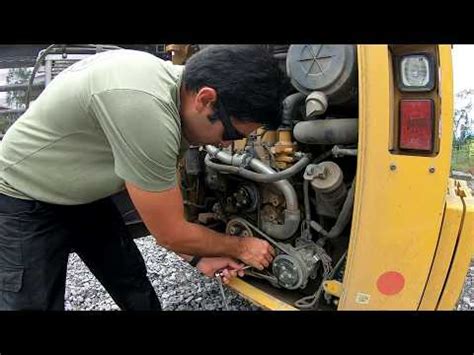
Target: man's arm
144	150
163	214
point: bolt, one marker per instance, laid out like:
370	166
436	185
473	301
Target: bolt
393	167
432	169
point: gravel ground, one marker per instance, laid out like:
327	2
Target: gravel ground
466	301
178	285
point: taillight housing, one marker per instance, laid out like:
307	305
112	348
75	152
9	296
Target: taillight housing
416	125
415	100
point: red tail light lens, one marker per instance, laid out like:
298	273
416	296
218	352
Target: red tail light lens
416	125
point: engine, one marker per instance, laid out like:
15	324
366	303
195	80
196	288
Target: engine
293	186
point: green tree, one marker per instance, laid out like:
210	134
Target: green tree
463	119
14	99
463	154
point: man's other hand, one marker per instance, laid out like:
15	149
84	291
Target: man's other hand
229	267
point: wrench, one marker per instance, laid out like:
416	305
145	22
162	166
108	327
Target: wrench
219	275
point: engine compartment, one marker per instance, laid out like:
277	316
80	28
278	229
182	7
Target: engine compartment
293	186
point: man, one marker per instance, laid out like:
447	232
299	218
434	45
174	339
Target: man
122	119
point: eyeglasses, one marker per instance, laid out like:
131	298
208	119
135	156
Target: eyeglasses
230	132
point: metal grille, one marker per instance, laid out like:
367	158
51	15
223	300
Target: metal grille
56	63
58	66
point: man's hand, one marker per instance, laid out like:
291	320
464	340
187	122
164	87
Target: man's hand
163	214
229	268
256	252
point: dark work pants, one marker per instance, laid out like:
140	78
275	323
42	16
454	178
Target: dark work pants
36	239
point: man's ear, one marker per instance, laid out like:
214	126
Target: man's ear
205	99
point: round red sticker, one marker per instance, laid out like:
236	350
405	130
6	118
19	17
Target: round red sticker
390	283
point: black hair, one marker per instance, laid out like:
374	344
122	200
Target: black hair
248	81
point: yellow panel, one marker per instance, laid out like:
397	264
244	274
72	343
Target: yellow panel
463	253
259	297
397	213
448	237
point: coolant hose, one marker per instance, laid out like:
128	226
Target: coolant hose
290	106
344	217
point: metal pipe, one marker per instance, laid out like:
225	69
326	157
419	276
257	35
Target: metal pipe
19	87
283	185
257	177
282	175
340	152
229	169
328	131
292	213
83	49
237	159
39	60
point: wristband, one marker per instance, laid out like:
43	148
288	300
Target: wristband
194	261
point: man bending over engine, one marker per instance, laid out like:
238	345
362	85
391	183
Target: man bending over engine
121	120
